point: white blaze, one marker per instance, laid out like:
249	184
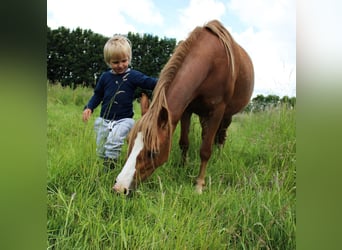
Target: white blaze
125	177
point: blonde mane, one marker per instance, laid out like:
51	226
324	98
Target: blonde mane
148	124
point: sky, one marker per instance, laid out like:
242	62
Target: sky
265	29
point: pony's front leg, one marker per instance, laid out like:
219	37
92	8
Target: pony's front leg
184	137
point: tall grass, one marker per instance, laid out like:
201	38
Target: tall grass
248	203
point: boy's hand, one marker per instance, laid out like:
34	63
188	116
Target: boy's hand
86	114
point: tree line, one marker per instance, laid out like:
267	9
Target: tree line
75	57
262	103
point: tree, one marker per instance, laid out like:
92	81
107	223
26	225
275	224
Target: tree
289	102
272	101
262	103
258	103
74	57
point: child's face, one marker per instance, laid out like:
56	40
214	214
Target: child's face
119	64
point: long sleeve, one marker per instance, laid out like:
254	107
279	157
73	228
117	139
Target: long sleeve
144	81
98	95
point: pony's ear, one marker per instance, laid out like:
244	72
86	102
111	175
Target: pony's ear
163	118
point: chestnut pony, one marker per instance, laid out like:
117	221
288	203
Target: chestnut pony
210	75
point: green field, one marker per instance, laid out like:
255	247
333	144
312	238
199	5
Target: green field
249	201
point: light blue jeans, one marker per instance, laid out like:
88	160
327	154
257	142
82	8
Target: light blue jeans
111	135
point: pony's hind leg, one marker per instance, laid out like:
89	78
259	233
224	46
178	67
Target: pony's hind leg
209	128
221	133
184	137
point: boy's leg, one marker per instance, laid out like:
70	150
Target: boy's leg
101	130
118	131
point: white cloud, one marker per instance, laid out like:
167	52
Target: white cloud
143	11
270	40
274	74
106	17
197	13
264	14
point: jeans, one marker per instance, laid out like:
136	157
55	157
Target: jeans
111	135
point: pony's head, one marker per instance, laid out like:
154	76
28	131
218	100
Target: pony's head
149	145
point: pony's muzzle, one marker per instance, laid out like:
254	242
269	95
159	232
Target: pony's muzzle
120	189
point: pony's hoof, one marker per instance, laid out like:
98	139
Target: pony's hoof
199	189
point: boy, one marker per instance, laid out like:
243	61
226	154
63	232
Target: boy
115	90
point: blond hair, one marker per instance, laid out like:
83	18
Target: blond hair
117	46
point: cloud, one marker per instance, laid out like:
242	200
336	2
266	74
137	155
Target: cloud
195	14
278	18
143	11
270	39
266	13
274	74
106	17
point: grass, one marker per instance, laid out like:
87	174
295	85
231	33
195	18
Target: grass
248	203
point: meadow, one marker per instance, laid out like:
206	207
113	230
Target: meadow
249	201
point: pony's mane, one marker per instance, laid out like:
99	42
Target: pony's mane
148	124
